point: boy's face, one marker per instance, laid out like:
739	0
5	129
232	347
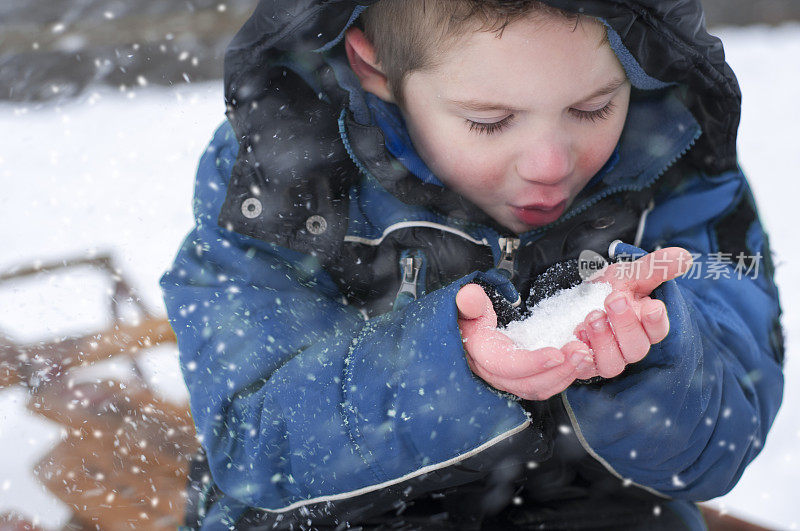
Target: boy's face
549	137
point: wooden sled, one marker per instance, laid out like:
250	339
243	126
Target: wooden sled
125	459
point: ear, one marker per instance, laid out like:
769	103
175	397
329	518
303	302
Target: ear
361	55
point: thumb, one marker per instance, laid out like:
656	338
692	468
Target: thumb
658	267
472	302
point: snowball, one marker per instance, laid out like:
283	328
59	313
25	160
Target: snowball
552	321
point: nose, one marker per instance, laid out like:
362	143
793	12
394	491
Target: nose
545	162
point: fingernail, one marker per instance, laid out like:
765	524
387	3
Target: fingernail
618	305
579	357
582	366
598	323
655	315
555	359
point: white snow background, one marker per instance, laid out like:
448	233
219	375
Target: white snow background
114	170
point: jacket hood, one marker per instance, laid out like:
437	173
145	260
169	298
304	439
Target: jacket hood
307	132
660	43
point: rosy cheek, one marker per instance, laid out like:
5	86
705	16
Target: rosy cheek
592	159
461	165
478	172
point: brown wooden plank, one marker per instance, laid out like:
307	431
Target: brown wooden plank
10	362
46	362
121	339
100	487
131	418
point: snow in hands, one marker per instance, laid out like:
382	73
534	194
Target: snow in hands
552	322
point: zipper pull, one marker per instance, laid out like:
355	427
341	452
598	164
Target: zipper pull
506	262
411	267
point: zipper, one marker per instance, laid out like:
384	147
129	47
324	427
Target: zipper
411	265
507	248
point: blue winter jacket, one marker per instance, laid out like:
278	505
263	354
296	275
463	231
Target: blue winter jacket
306	399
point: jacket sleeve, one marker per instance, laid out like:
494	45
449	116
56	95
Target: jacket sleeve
296	398
686	421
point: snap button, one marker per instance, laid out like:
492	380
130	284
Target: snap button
603	223
316	225
251	208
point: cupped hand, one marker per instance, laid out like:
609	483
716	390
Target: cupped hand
632	320
491	355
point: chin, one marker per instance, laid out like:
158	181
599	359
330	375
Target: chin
518	227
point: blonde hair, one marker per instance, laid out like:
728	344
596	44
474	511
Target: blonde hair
411	35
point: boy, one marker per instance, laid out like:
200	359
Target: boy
383	195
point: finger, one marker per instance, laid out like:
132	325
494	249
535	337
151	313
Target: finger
582	335
607	356
587	372
551	382
632	340
655	320
582	358
653	269
496	353
503	384
498	382
472	302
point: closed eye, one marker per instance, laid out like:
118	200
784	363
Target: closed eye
599	114
494	127
480	128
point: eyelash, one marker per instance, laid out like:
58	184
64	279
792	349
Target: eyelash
599	114
593	116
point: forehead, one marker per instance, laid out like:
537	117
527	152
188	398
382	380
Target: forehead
541	58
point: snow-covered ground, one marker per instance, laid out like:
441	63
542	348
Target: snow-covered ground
115	170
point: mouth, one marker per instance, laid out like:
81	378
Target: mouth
539	214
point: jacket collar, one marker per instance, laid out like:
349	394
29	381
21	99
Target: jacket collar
658	130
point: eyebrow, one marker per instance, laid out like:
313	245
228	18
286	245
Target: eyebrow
476	105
